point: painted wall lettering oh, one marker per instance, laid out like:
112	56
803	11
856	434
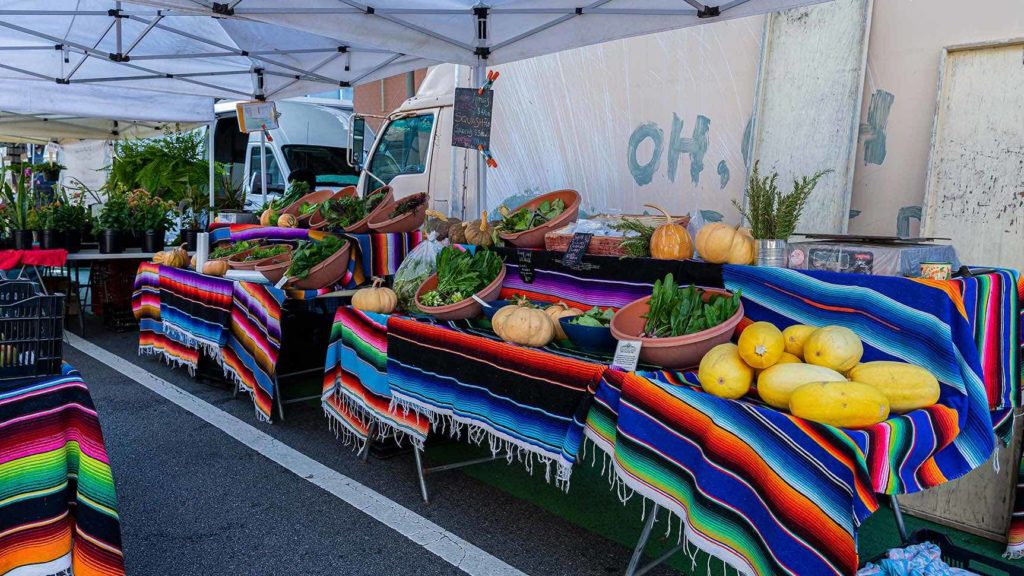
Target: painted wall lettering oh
695	146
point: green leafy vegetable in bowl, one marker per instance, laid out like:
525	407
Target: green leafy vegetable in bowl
525	218
231	249
340	213
594	317
460	275
409	204
310	253
267	252
308	208
677	311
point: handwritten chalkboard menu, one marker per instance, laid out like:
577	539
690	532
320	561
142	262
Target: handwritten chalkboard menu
577	248
472	126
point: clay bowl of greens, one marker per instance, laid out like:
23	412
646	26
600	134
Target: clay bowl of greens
249	259
351	213
678	325
449	293
305	207
273	268
526	226
226	250
401	216
317	265
590	330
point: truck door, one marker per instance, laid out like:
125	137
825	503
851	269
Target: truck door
401	157
275	179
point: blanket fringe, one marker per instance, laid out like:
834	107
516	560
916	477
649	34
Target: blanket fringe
497	443
240	386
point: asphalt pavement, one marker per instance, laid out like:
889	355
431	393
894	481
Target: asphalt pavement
194	500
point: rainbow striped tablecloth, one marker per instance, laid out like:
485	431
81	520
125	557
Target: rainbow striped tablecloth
58	507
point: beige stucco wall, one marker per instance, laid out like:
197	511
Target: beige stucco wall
907	38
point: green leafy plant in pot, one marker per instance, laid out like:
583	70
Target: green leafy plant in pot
46	216
773	215
70	218
152	216
19	202
194	211
114	220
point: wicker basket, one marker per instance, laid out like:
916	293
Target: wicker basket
558	241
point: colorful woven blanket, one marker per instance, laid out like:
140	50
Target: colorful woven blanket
58	508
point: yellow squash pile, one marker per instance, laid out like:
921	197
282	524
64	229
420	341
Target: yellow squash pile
816	374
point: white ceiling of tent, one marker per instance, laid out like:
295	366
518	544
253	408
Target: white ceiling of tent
121	44
450	30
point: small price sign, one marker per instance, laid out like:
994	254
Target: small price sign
577	248
627	355
525	260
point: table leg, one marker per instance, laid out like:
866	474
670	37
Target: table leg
419	473
370	431
900	526
638	552
277	397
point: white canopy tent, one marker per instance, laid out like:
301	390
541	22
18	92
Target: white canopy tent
478	32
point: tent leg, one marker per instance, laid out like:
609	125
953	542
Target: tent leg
213	184
479	77
263	165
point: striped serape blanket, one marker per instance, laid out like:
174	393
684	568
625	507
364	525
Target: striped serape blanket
769	493
58	508
356	395
525	402
371	254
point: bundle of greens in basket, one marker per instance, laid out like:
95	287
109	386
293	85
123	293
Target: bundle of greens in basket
525	218
265	252
226	250
460	275
340	213
310	253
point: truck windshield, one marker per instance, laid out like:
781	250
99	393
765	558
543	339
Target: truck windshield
403	148
328	163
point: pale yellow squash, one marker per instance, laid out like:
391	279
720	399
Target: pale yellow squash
561	310
907	386
761	345
376	298
776	385
527	327
795	336
835	347
723	373
842	404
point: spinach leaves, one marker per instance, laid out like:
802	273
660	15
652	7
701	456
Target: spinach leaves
594	317
526	218
677	311
310	253
461	274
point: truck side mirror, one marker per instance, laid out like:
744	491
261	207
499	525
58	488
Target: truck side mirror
356	149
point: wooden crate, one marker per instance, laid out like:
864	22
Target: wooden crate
558	241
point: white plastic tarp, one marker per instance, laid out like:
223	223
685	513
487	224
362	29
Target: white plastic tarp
114	44
457	31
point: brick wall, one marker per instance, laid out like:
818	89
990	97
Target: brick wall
382	97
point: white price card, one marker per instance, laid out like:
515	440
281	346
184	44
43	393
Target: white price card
627	355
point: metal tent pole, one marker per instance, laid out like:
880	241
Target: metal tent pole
479	77
263	164
209	132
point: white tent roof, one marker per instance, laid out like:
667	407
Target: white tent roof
122	44
460	31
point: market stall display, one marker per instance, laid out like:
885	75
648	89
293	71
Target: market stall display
416	390
58	510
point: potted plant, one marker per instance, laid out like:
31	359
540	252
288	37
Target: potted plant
194	210
70	218
151	216
49	235
113	221
19	201
462	280
773	215
677	325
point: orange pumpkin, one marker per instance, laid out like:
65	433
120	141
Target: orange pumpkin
215	267
670	241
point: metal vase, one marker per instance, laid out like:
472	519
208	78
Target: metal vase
774	253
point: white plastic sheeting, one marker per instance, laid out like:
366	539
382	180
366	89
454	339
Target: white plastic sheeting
110	43
455	31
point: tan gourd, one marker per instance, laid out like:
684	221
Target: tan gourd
215	268
670	241
376	298
287	221
561	310
479	232
175	257
268	217
720	243
526	326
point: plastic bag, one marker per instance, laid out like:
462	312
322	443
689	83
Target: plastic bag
417	267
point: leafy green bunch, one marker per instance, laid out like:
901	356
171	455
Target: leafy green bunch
638	245
340	213
116	214
524	218
18	199
460	275
773	215
225	250
168	166
408	204
594	317
677	311
310	253
148	211
266	252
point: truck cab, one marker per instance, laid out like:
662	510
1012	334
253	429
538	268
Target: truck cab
312	133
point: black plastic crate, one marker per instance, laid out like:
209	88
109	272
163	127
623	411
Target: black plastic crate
31	331
958	557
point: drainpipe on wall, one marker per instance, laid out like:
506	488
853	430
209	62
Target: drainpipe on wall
410	84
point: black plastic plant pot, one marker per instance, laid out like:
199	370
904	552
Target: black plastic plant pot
49	240
153	241
133	238
22	239
110	242
191	238
71	240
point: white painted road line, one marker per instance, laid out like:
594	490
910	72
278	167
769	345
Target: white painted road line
416	528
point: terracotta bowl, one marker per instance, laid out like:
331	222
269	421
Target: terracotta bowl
363	226
314	220
678	351
273	268
325	273
238	262
534	237
468	308
311	198
399	224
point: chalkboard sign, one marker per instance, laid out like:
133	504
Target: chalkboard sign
472	125
577	248
524	258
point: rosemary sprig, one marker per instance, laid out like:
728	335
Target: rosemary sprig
638	246
771	214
